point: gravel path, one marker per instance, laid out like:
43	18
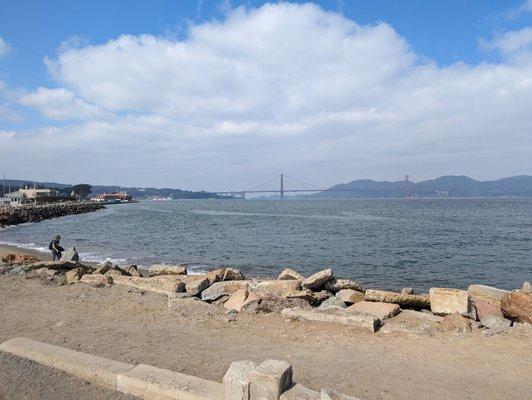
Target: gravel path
23	379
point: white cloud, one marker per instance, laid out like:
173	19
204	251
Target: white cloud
511	43
4	47
527	6
285	87
59	104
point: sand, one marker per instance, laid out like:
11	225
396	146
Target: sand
196	338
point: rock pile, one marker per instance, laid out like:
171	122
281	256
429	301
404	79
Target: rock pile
321	297
37	213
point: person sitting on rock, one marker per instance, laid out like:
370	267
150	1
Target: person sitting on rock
56	249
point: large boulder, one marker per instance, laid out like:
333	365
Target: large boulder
526	288
240	299
167	284
233	274
335	285
277	288
376	309
97	280
496	324
332	303
270	304
350	296
356	320
13	259
486	308
289	273
415	301
70	255
487	300
59	265
517	306
224	288
198	285
74	275
444	301
167	269
315	282
456	323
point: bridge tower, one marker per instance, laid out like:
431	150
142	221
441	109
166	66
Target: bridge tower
407	187
282	186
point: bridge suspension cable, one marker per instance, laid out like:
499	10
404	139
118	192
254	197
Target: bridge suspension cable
264	183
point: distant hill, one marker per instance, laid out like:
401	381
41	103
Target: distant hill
136	192
445	186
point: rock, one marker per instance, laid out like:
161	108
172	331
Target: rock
350	296
197	286
289	273
47	271
456	323
357	320
329	394
167	269
485	309
527	288
224	288
74	275
269	380
335	285
275	287
407	291
70	255
445	301
376	309
306	294
166	284
412	322
414	301
332	302
13	259
233	274
316	281
496	324
133	271
487	300
270	304
236	380
103	267
240	299
19	270
320	297
97	280
300	392
517	306
251	307
114	272
58	265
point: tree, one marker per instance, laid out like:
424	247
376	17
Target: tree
83	190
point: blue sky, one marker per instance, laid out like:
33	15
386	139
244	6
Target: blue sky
47	91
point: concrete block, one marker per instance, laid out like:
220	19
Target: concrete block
153	383
445	301
357	320
98	370
236	380
300	392
269	380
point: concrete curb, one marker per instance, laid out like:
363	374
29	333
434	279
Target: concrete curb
99	370
270	380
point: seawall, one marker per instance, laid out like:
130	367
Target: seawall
37	213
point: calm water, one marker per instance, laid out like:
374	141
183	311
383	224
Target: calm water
382	243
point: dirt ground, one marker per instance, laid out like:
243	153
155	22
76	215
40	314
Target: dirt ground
197	339
23	379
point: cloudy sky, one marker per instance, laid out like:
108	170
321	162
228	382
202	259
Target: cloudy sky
222	95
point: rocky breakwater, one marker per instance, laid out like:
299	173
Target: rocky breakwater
321	297
37	213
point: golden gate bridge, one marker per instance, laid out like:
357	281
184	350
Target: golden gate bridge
282	190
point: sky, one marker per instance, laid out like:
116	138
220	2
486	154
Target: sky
222	95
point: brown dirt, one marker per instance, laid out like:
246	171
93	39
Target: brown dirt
197	339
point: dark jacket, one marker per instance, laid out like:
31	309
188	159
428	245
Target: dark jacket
54	246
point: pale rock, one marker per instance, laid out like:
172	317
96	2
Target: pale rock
456	323
526	288
407	291
445	301
167	269
167	284
114	272
197	286
335	285
70	255
300	392
376	309
496	324
236	380
225	288
350	296
289	273
332	302
74	275
233	274
46	271
357	320
320	297
485	309
306	294
133	271
97	280
240	299
270	304
269	380
412	323
275	287
415	301
316	281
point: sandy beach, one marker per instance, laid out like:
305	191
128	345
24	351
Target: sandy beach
196	338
